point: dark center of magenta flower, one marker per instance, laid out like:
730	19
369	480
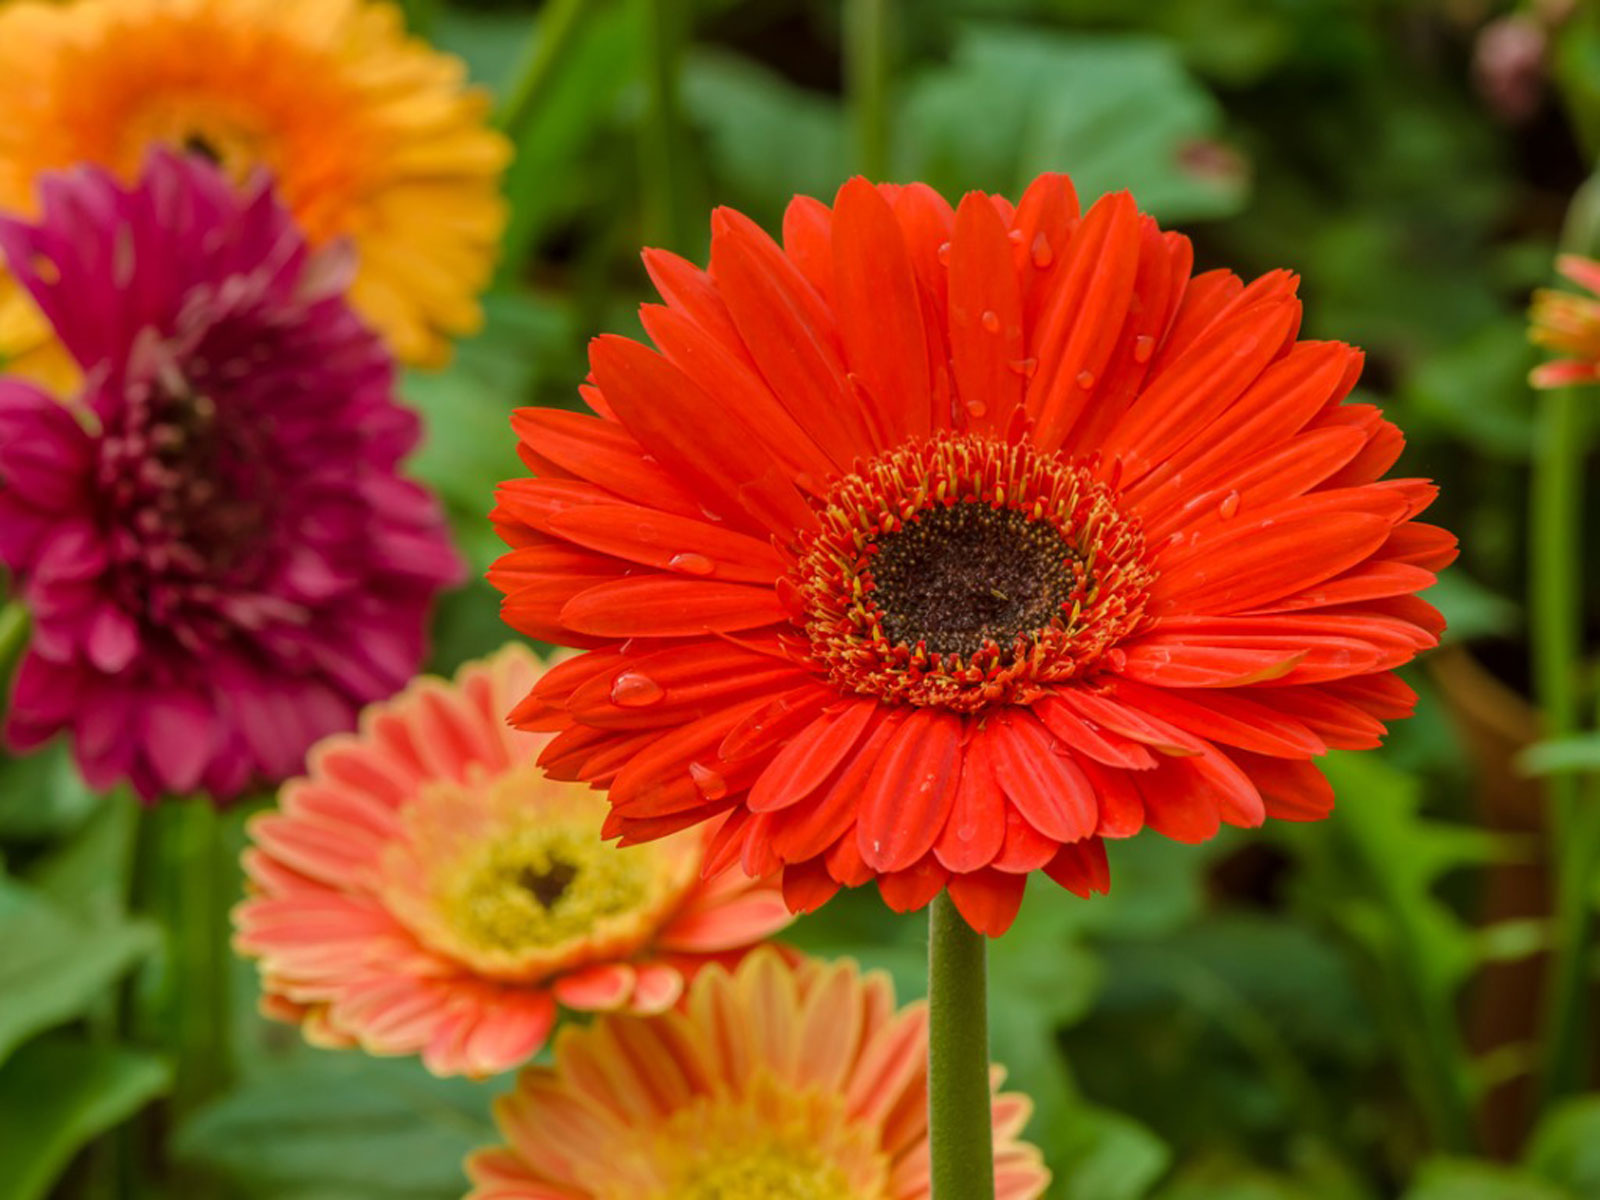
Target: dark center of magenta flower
965	571
961	578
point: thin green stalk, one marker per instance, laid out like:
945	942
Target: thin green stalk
961	1138
13	635
1555	602
867	70
664	157
559	23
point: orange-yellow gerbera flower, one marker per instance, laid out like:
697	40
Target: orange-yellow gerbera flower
1569	324
773	1081
427	890
369	133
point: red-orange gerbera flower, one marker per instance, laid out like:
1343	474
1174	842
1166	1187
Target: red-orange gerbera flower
774	1081
934	546
427	891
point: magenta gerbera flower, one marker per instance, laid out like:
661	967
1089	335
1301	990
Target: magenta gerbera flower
221	559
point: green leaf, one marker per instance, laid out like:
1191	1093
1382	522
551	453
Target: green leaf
768	139
1101	1155
88	876
344	1124
1577	752
1113	111
1471	610
55	1095
42	795
1461	1179
53	967
1565	1148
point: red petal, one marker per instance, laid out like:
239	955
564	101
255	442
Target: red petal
914	888
806	762
985	317
661	606
807	886
1044	783
1227	717
669	542
976	827
1081	868
988	900
908	797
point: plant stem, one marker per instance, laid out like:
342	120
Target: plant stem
13	636
1555	602
867	70
961	1138
559	23
663	152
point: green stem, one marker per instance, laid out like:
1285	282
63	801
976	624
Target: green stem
1555	603
559	23
664	159
960	1131
13	636
867	71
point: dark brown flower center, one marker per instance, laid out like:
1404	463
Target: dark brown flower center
960	578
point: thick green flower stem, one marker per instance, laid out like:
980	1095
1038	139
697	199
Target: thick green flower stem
867	72
959	1124
13	636
1555	546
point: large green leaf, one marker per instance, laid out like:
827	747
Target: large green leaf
52	966
56	1094
1101	1155
1113	111
1461	1179
1565	1148
42	795
343	1124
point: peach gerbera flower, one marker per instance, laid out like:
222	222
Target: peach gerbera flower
369	133
775	1080
427	890
1568	324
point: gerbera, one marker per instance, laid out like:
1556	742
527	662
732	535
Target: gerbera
369	133
772	1081
1568	324
221	559
426	889
935	546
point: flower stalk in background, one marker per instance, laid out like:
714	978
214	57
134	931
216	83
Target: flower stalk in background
426	890
774	1080
220	557
371	135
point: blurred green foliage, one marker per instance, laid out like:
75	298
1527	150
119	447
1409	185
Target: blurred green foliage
1276	1016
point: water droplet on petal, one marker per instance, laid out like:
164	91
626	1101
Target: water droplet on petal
1042	254
1143	347
691	564
633	690
1024	366
944	254
977	408
1016	236
712	785
991	321
1229	505
1086	380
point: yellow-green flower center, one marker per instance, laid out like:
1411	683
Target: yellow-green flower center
541	886
773	1172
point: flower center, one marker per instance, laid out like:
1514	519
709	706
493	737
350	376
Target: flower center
508	875
771	1172
963	571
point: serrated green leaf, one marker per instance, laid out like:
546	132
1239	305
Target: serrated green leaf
56	1094
52	967
1113	111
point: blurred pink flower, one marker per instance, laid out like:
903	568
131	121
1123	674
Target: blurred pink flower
1568	324
220	558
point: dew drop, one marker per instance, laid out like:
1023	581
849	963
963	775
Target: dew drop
991	321
1229	505
1086	380
976	408
944	254
1016	236
712	785
1143	347
690	563
633	690
1024	366
1041	252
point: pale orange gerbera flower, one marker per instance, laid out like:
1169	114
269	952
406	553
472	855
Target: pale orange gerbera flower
427	890
369	133
776	1080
